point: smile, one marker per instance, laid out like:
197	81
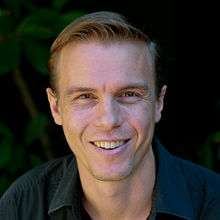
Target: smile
109	145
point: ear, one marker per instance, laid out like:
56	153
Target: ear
160	103
54	106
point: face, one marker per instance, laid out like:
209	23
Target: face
107	106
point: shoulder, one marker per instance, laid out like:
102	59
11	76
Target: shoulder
203	186
198	186
198	176
34	187
42	174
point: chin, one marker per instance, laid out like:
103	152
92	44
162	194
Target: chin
112	175
110	178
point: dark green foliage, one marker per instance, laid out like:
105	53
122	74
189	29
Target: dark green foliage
30	36
26	33
6	145
209	154
37	54
9	45
14	6
36	128
42	24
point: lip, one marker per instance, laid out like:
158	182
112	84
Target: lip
113	139
111	152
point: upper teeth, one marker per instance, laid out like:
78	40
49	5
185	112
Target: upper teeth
108	144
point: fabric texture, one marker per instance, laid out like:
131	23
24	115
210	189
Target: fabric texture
52	191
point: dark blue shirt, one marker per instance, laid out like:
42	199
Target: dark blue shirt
53	191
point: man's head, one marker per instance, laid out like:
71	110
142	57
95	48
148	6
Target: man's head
105	94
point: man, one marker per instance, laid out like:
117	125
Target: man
106	95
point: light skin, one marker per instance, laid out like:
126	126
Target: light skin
106	98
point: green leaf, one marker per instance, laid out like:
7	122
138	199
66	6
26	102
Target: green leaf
29	6
39	25
5	145
7	25
36	128
216	137
4	184
58	4
5	152
206	156
9	55
37	54
18	162
35	160
1	12
14	6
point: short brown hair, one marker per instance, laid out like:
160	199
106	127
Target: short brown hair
99	26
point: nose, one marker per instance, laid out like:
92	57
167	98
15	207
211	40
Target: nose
108	115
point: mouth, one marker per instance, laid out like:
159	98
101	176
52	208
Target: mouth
109	145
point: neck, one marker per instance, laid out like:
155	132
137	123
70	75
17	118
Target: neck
130	198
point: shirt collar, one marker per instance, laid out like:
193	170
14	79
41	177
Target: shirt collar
68	192
171	193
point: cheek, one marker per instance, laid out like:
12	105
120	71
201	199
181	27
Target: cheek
75	122
73	128
142	119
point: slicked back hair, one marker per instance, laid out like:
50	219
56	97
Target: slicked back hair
100	27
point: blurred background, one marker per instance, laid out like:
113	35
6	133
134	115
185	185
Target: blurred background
186	35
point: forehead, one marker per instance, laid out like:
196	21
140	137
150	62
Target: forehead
95	63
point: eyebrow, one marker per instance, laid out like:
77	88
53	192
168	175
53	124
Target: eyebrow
74	89
78	89
141	86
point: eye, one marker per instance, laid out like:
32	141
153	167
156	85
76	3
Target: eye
130	94
85	96
129	97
